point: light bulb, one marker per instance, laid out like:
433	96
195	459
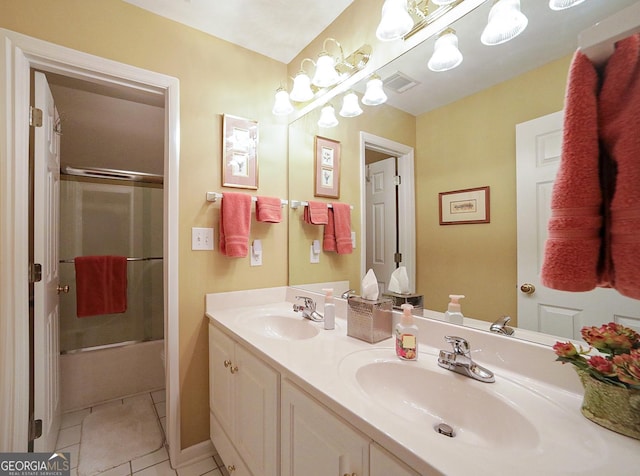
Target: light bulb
350	105
282	106
506	21
446	54
328	117
374	94
395	22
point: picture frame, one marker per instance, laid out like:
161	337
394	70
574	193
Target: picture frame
459	207
327	168
239	152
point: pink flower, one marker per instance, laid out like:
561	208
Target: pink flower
627	367
565	349
602	365
611	338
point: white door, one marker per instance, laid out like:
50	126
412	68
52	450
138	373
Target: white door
46	309
538	145
381	224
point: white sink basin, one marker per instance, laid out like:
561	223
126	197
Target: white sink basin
280	324
502	415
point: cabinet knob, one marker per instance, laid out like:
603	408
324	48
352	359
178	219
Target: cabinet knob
227	363
231	468
234	369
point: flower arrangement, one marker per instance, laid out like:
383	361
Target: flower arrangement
618	361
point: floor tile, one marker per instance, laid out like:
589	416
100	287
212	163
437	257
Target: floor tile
74	452
218	460
161	469
161	408
102	406
159	396
73	418
143	396
122	470
68	437
215	472
149	460
198	468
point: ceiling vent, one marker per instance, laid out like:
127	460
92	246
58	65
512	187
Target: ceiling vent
399	82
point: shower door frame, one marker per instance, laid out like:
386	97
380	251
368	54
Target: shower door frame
19	54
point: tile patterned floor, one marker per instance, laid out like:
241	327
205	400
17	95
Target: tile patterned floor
152	464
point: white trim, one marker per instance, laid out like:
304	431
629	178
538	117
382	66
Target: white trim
18	54
194	454
406	200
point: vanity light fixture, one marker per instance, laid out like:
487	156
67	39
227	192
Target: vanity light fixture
301	91
328	117
395	22
326	74
563	4
350	105
374	94
442	2
282	105
446	54
506	21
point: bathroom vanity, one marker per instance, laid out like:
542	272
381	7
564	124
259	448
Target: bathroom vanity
290	398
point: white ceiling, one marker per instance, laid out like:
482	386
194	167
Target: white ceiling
279	29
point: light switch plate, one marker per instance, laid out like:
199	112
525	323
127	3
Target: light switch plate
202	239
256	253
313	257
353	240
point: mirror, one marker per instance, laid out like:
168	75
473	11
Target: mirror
461	124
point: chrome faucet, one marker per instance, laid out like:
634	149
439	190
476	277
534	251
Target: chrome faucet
500	326
460	361
308	309
346	294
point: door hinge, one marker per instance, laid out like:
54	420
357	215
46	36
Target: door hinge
35	272
35	117
35	430
397	180
397	257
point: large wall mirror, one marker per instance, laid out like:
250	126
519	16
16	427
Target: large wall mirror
461	125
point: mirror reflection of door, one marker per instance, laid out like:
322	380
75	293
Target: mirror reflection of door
538	146
381	216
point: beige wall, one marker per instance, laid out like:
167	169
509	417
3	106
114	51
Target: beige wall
467	144
383	121
215	77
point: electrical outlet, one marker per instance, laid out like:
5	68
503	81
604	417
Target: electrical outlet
353	240
202	239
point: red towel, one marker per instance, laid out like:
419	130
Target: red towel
337	232
316	213
619	120
269	209
101	285
235	220
572	248
329	236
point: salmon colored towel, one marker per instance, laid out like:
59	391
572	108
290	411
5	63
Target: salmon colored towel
316	213
337	233
101	285
573	245
269	209
619	120
235	220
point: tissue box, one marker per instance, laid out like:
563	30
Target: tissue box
370	321
416	300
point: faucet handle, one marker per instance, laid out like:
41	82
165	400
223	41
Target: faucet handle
460	345
308	302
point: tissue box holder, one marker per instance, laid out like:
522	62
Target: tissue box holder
370	321
416	300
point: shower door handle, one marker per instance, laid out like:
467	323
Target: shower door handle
63	289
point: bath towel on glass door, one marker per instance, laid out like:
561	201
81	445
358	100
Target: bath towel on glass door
101	285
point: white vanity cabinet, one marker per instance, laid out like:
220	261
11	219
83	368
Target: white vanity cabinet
244	405
382	463
315	442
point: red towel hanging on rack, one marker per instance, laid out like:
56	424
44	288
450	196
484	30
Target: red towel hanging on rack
101	285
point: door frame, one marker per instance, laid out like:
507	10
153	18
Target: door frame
406	200
18	54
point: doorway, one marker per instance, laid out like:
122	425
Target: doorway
405	202
19	55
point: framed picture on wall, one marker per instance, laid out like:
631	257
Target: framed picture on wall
464	206
239	152
327	168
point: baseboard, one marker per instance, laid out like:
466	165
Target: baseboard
194	453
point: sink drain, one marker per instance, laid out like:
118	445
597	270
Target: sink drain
445	430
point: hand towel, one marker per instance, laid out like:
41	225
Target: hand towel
316	213
329	236
269	209
101	285
573	244
235	220
342	223
619	121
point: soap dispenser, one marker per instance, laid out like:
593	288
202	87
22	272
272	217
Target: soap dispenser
329	310
407	335
454	312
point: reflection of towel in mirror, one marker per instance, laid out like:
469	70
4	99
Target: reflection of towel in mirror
101	285
573	245
619	121
316	213
235	220
268	209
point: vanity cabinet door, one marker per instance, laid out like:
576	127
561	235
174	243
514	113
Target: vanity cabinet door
382	463
221	356
315	442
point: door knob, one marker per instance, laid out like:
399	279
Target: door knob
63	289
528	288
